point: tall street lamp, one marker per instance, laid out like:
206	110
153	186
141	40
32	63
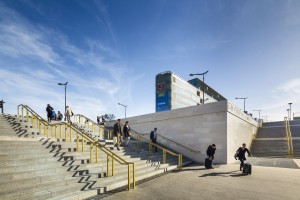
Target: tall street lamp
202	74
290	111
124	107
65	84
258	113
244	101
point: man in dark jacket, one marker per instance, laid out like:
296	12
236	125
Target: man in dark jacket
49	112
117	134
153	137
241	154
210	152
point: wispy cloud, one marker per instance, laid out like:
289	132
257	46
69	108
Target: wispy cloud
44	56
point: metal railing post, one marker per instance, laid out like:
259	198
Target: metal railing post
32	119
82	144
66	132
39	126
128	168
96	154
107	166
112	165
60	131
133	175
77	142
56	131
91	153
70	133
26	114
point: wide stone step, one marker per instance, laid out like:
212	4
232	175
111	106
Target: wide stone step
19	162
30	167
29	189
19	183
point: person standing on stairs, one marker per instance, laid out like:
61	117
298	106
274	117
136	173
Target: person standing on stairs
117	134
153	137
241	154
126	132
69	113
49	112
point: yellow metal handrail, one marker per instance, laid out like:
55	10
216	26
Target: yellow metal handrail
178	144
289	137
93	124
140	137
110	154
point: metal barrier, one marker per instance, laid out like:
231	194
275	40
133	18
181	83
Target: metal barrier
78	119
289	137
45	126
140	137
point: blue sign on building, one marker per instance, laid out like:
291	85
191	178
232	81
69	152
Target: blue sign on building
162	101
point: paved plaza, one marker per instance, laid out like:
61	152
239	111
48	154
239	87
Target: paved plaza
225	182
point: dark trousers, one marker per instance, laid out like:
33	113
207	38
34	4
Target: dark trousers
153	146
49	117
242	162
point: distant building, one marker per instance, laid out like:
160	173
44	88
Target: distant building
173	92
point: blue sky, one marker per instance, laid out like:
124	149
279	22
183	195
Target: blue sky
110	51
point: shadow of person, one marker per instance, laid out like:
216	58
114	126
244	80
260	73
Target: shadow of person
223	174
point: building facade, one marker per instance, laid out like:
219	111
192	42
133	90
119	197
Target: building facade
173	92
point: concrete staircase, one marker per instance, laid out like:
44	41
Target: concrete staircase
295	130
270	141
35	167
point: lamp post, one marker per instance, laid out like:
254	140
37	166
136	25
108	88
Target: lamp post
244	101
290	110
202	74
258	113
65	84
124	107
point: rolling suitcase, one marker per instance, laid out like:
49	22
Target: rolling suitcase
247	168
208	163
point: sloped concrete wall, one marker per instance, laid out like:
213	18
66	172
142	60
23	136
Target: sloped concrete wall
195	127
240	129
199	126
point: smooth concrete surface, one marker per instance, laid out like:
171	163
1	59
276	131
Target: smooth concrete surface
225	182
241	128
199	126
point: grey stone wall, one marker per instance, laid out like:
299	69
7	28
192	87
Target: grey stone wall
197	127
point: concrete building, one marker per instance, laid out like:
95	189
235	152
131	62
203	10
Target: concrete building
173	92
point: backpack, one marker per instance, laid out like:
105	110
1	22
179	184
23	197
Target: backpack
237	154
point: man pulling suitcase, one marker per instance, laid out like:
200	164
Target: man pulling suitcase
210	152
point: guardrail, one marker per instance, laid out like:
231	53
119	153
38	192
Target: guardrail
289	137
110	155
176	143
140	137
78	117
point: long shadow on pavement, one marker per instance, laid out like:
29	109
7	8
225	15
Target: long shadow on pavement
224	174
